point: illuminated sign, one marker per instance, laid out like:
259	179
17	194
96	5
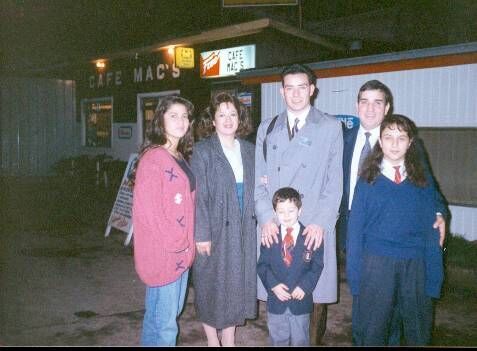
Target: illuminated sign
184	57
226	62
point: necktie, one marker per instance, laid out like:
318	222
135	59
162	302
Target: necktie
287	246
364	152
397	175
295	128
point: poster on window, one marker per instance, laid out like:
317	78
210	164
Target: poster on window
121	214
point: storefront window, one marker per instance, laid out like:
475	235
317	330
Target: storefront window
97	122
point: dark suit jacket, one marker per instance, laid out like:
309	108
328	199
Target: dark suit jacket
302	272
349	139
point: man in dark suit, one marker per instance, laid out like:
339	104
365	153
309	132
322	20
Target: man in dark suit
375	101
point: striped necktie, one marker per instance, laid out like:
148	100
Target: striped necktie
295	128
287	246
364	152
397	175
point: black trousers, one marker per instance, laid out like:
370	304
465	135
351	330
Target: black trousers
391	290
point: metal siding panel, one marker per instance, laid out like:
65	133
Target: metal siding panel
432	97
464	222
38	124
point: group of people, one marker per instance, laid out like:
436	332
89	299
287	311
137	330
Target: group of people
259	221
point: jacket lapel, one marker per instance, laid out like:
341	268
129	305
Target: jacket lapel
349	142
248	177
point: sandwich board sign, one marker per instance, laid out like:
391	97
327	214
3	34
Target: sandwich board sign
121	214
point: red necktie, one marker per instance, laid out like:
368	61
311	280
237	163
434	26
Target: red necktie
287	246
397	175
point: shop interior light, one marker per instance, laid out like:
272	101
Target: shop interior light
100	64
170	50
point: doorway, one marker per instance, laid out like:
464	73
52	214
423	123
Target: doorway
146	106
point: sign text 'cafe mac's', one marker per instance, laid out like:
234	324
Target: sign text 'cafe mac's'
138	74
226	62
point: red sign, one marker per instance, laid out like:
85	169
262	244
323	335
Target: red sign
210	65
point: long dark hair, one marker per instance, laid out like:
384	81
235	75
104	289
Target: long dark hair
156	133
204	126
412	161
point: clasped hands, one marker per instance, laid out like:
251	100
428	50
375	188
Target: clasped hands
281	292
314	235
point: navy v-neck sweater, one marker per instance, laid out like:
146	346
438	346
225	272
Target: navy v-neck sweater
394	220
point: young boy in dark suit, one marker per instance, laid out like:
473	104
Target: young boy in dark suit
289	272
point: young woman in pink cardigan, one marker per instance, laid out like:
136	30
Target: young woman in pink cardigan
163	218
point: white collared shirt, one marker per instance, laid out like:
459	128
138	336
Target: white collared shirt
296	230
358	146
388	170
301	116
234	156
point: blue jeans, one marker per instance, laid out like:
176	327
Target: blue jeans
163	305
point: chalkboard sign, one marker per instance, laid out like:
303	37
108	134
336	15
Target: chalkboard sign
121	215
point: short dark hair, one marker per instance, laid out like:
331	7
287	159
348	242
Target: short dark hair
284	194
377	85
204	125
299	68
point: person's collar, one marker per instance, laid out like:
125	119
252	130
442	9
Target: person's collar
296	230
373	138
300	115
388	170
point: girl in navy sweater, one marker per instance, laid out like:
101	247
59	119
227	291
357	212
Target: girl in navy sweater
394	261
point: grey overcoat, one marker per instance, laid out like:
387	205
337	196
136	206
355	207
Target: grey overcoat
312	164
225	283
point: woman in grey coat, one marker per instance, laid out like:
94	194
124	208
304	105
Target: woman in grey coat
224	270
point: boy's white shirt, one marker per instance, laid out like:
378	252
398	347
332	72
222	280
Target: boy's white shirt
296	230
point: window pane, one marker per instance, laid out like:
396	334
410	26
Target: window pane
98	117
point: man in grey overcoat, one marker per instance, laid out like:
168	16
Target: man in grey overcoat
303	149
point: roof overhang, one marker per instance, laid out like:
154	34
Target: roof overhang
212	35
449	55
229	32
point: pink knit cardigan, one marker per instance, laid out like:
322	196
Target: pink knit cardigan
163	219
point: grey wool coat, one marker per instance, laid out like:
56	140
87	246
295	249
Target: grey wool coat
225	283
312	164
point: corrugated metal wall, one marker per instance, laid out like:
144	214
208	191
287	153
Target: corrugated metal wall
432	97
37	125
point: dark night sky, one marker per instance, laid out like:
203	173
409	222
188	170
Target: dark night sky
38	32
46	32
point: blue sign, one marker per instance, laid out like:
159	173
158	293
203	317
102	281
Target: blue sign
348	120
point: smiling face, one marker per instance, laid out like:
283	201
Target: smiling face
297	91
394	144
372	107
226	120
176	122
287	213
